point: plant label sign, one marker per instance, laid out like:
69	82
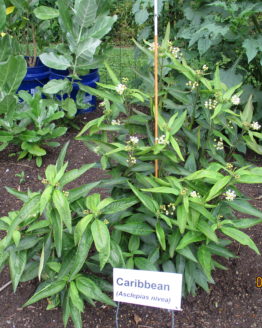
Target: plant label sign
150	288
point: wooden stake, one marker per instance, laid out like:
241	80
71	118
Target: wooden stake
156	80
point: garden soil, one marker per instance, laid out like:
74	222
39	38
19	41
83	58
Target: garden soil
234	301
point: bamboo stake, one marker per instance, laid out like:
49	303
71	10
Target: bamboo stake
156	78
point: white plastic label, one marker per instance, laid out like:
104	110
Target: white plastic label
150	288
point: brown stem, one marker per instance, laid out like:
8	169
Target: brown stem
34	46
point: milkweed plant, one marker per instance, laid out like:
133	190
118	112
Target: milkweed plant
182	221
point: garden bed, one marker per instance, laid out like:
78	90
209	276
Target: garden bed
234	301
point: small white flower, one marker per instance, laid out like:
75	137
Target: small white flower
120	88
211	103
116	122
230	195
134	140
255	126
235	100
205	68
131	160
192	85
194	194
219	145
152	46
162	140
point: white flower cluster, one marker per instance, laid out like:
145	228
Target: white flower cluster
195	194
133	140
235	100
205	68
211	103
192	85
162	140
230	195
120	88
152	46
219	144
255	126
116	122
168	209
131	160
229	166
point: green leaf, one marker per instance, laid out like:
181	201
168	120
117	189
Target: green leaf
160	233
251	46
75	297
176	148
57	231
244	206
75	315
30	209
245	223
135	227
92	202
90	289
45	198
49	290
186	252
75	174
86	12
16	237
17	262
220	250
240	236
119	205
81	226
204	258
81	191
189	238
61	157
133	243
178	123
55	61
18	194
81	254
13	72
2	14
44	12
55	86
247	114
182	218
218	186
62	206
163	190
146	200
205	228
144	264
102	26
101	237
64	14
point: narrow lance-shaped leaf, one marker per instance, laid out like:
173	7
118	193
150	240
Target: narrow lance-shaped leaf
101	237
17	262
49	290
240	236
218	186
62	206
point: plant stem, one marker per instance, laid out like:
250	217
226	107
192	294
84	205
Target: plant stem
34	46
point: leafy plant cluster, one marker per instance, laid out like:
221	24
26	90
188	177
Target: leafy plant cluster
25	120
181	221
227	33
